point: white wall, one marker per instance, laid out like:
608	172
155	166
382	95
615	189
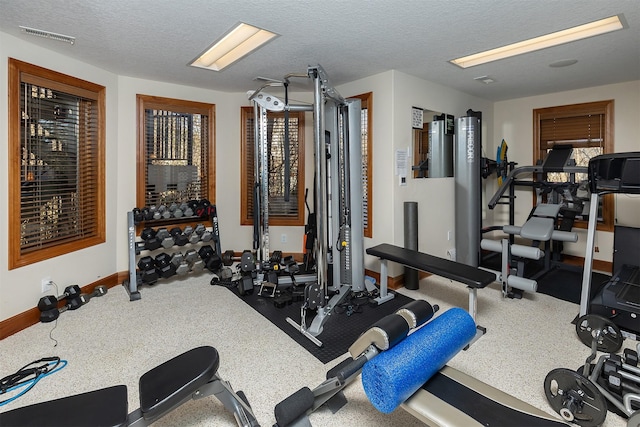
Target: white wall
20	288
513	121
394	93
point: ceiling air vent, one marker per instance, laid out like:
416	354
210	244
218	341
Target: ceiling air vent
49	35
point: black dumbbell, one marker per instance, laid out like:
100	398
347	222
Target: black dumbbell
164	266
151	240
229	257
48	305
211	259
148	273
49	301
52	314
137	215
147	215
178	236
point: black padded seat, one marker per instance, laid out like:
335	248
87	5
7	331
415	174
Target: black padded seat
470	276
168	385
106	407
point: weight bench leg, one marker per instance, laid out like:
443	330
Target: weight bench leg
473	311
232	401
384	296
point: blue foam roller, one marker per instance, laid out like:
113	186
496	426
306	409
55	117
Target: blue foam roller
394	375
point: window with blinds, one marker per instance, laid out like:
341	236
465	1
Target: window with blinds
281	210
588	128
175	149
56	163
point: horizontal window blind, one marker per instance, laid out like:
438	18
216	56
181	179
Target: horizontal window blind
583	131
279	208
59	165
176	157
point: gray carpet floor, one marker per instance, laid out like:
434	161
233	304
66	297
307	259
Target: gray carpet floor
114	341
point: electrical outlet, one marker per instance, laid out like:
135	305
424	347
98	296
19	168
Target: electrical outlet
46	284
283	238
451	253
449	235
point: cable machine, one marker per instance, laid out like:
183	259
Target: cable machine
339	246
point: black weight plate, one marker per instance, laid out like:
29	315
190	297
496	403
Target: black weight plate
609	336
589	408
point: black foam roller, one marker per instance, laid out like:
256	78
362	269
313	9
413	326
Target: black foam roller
411	241
293	407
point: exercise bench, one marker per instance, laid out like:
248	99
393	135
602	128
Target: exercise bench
474	278
190	375
402	361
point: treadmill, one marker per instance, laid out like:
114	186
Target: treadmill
619	298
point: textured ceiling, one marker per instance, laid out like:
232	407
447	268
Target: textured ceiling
156	39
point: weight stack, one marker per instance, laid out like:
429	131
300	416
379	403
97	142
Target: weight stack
440	149
411	242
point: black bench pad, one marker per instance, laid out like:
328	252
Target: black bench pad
105	407
166	386
470	276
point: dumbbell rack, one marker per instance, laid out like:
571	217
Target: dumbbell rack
137	246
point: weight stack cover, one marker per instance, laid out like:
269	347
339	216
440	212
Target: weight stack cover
394	375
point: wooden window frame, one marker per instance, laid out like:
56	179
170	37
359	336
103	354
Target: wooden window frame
96	234
599	107
246	217
145	102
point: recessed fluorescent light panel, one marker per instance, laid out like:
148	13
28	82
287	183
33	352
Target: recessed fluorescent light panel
554	39
48	35
234	45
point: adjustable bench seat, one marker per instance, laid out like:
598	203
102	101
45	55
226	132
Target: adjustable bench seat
474	278
167	386
162	389
105	407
